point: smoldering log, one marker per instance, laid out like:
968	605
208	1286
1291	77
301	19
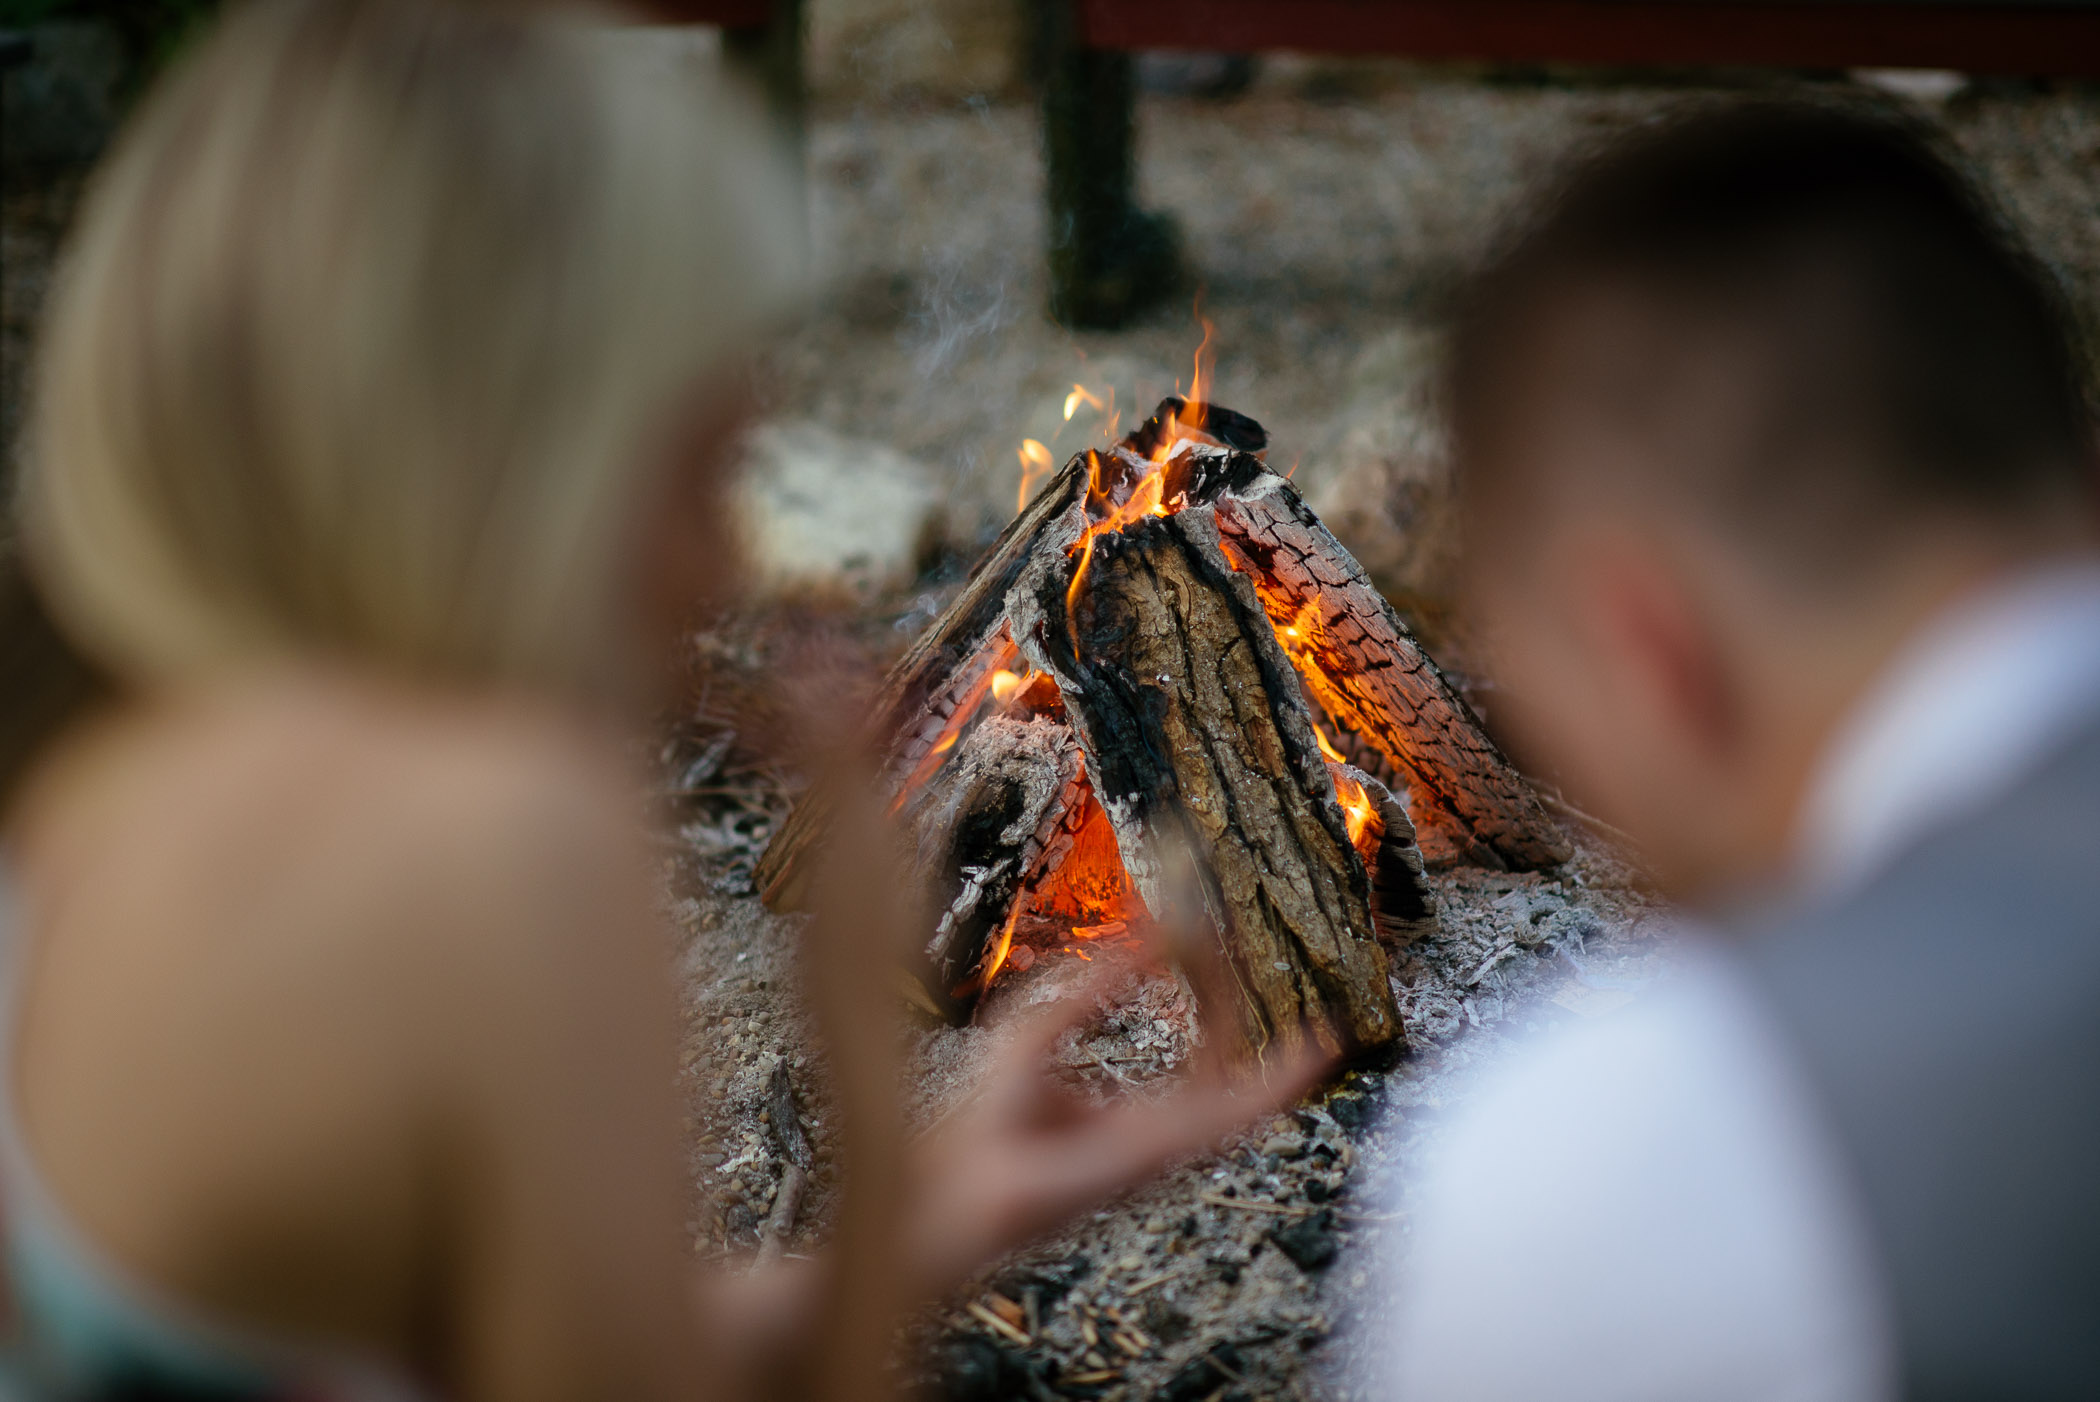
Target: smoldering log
938	671
984	827
1176	686
1365	668
1400	908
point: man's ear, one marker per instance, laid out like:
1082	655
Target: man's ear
1642	608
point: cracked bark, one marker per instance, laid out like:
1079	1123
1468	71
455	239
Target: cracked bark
1206	764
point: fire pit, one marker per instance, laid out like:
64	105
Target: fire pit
1169	695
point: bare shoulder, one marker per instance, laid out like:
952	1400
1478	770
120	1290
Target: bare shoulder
348	818
279	937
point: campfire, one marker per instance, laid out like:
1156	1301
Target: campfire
1167	696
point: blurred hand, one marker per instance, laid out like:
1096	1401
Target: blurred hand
1027	1152
864	925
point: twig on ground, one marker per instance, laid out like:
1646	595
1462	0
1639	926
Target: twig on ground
794	1174
997	1325
1286	1210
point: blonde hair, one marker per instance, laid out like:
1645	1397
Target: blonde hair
365	328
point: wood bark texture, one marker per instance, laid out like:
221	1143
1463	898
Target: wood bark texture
1366	669
938	672
985	827
1206	764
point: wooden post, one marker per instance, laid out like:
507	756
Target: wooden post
1109	259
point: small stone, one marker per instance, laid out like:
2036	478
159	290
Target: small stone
1155	1223
1132	1262
975	1369
1309	1242
1166	1322
1284	1146
1201	1377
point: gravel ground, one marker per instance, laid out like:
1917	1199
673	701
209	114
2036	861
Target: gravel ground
1325	214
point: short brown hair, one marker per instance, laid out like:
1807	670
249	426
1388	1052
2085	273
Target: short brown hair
1940	369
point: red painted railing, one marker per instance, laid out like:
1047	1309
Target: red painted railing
1974	37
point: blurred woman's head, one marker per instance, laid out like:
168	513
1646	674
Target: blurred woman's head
404	334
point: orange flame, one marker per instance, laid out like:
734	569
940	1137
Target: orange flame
1082	395
1005	684
965	711
1035	462
1005	945
1146	499
1199	381
1169	434
1305	623
1358	812
1327	748
1086	551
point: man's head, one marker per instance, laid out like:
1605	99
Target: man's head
1760	390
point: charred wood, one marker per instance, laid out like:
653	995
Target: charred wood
1176	686
1364	666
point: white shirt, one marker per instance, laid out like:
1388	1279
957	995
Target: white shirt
1645	1206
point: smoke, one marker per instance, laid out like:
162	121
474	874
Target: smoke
959	307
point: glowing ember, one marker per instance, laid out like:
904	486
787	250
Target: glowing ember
1090	887
1303	628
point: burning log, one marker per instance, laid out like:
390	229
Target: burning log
1365	669
1177	685
996	821
1117	718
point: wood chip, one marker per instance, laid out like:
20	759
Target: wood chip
1249	1205
996	1324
